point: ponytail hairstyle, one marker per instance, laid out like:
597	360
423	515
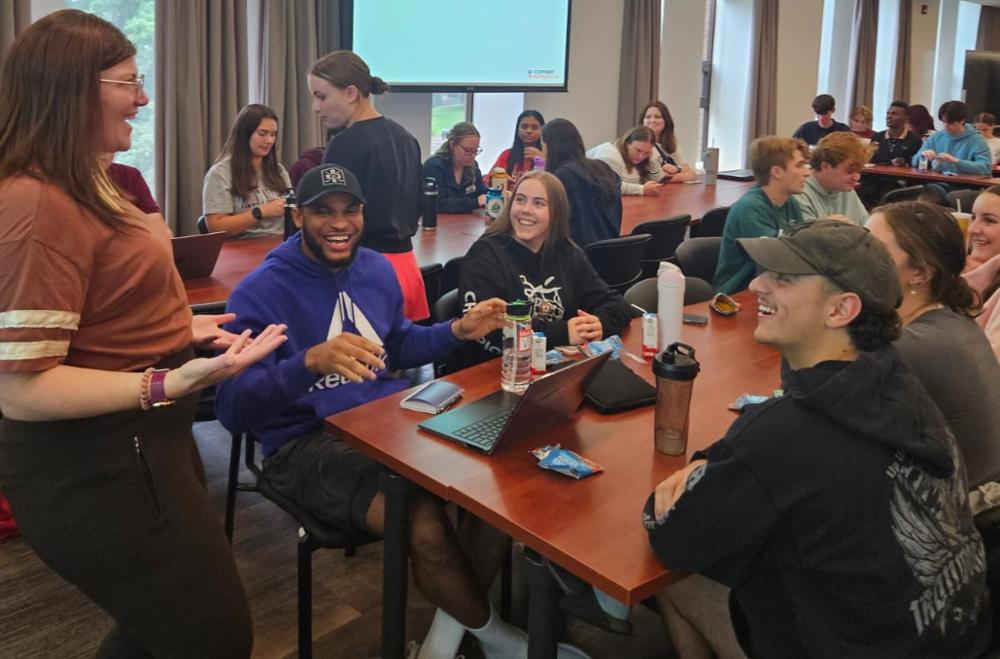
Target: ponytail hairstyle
458	132
343	68
933	242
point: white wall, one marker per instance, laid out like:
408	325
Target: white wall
594	57
681	49
923	53
797	58
413	111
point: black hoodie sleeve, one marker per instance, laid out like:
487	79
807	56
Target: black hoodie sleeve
718	524
481	278
597	298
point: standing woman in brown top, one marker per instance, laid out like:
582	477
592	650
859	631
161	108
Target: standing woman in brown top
96	452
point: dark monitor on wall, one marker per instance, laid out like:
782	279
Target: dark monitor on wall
982	82
464	45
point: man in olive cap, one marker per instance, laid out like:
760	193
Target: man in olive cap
836	513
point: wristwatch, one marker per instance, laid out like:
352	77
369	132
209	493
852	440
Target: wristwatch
157	390
257	215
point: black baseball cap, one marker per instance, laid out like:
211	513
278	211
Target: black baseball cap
325	179
846	254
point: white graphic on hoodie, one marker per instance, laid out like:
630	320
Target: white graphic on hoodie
345	309
545	301
944	557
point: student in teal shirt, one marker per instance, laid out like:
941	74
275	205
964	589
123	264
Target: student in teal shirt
780	167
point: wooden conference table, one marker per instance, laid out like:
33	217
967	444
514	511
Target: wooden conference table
914	173
457	231
591	527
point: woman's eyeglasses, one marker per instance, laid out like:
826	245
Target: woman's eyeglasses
138	83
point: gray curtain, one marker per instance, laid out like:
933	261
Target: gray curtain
989	29
288	46
15	15
901	86
331	17
201	84
763	105
866	29
640	65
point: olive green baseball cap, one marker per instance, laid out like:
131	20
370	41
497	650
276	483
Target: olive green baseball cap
846	254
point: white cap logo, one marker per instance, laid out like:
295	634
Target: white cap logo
333	176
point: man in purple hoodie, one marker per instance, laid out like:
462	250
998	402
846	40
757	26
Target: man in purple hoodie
347	335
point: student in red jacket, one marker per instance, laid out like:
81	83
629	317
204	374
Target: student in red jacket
520	157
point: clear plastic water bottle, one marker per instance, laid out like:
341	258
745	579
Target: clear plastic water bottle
922	163
515	363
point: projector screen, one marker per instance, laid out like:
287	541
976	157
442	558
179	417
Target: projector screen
464	45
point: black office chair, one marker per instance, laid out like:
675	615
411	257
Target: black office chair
644	294
432	275
697	257
666	236
206	397
908	193
452	267
712	223
966	197
618	261
313	534
447	307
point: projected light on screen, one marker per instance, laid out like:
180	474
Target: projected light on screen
469	45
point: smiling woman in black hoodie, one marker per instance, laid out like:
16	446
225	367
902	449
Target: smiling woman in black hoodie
527	254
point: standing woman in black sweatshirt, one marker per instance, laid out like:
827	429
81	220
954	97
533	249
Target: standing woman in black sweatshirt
527	254
384	157
592	187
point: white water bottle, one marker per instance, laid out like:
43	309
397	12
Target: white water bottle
670	303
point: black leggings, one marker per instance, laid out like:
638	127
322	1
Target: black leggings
117	506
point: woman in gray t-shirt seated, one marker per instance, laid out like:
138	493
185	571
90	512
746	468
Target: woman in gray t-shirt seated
244	190
940	341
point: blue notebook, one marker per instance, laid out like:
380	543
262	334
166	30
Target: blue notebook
432	398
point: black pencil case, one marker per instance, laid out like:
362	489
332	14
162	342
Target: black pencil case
616	388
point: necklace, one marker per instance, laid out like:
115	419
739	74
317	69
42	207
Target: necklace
920	312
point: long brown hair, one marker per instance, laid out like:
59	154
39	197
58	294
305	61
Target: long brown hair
637	134
933	242
667	139
51	123
237	149
558	209
343	68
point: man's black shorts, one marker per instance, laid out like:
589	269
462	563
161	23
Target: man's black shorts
327	477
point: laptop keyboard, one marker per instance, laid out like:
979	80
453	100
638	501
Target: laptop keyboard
484	433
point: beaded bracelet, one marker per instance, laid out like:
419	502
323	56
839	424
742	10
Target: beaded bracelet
147	375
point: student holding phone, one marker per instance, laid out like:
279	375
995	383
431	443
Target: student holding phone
630	156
